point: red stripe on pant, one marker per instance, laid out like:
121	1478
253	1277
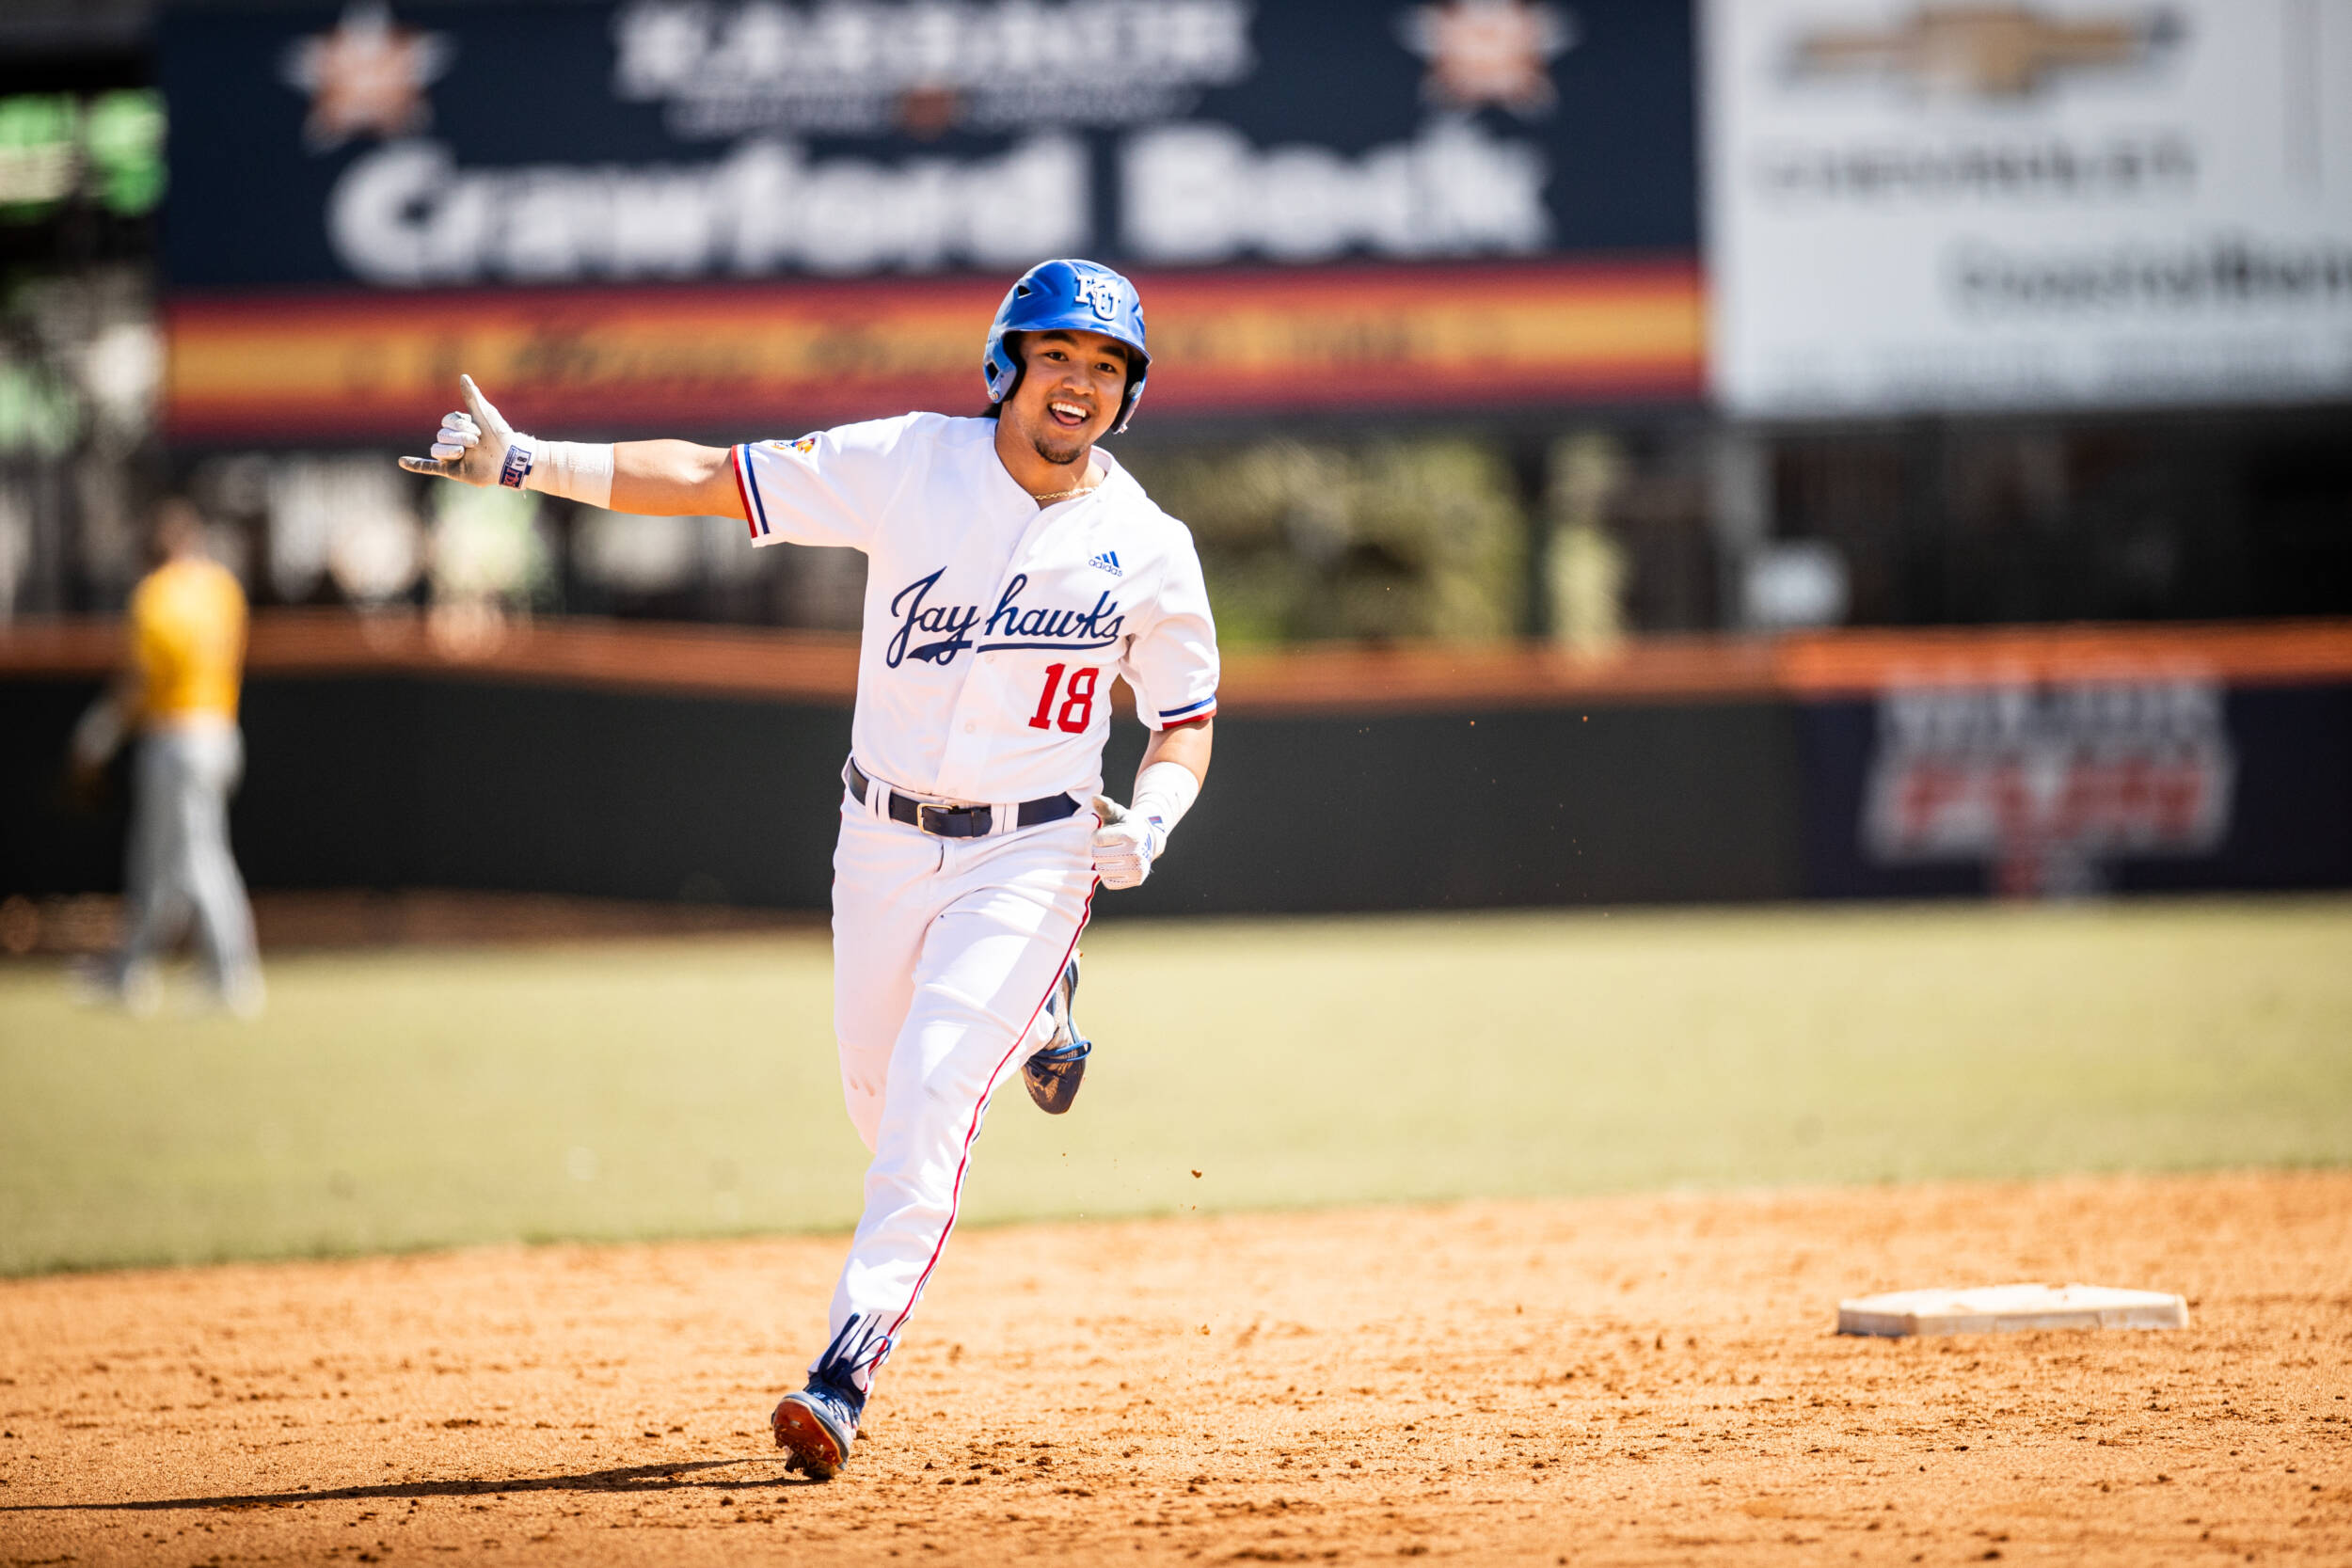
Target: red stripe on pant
955	1198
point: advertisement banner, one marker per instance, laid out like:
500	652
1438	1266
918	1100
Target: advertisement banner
432	144
2048	762
798	211
1917	207
2047	783
781	358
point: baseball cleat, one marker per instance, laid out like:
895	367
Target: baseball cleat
816	1425
1056	1069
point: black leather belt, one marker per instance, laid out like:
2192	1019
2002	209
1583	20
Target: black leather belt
958	821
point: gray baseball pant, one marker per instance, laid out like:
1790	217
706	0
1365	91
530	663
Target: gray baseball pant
180	864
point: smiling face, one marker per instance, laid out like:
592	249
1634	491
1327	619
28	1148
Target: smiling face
1068	394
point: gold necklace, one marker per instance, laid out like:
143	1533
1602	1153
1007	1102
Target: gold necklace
1050	496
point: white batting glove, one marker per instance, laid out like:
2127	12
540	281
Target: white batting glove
1125	845
474	445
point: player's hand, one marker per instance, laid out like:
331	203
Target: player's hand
98	736
1125	845
471	444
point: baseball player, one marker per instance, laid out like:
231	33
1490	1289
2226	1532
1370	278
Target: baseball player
177	692
1014	570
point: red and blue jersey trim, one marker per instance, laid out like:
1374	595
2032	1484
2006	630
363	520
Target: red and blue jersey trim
1190	712
753	514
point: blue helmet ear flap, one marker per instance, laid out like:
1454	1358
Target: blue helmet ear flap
1000	366
1137	368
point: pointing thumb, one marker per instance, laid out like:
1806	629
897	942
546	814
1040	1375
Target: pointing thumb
485	415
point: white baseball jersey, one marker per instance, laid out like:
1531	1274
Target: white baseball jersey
993	627
994	630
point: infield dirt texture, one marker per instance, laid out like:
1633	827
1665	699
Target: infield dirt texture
1637	1379
1487	1369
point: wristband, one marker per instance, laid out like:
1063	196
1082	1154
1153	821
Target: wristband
576	471
1164	792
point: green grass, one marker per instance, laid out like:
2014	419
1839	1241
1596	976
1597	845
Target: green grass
419	1098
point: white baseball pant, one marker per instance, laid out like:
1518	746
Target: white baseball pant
944	952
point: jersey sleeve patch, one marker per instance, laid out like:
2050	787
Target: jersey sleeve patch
827	487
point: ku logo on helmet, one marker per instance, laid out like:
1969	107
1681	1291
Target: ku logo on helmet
1100	294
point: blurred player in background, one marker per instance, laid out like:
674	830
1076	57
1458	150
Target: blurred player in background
176	693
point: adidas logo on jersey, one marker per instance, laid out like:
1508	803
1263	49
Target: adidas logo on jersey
1108	560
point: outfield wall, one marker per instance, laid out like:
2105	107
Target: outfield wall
666	762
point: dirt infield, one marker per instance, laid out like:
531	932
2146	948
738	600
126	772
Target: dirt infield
1626	1380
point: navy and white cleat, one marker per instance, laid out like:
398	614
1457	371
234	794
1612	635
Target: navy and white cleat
818	1425
1056	1070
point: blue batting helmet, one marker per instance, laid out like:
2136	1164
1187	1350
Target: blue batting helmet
1070	296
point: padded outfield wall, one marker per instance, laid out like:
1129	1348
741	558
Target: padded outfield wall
661	763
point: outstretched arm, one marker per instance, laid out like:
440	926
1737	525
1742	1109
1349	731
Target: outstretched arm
673	479
666	479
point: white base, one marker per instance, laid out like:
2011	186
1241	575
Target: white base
2000	1308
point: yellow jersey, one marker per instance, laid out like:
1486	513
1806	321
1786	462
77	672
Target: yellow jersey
188	640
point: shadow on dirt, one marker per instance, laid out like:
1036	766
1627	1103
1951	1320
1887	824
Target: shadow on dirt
683	1476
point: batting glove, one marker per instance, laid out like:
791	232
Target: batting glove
476	446
473	444
1125	845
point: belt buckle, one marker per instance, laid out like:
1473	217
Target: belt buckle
946	816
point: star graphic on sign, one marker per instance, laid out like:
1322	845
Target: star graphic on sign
367	76
1489	51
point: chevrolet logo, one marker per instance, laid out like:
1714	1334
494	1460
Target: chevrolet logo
1985	50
